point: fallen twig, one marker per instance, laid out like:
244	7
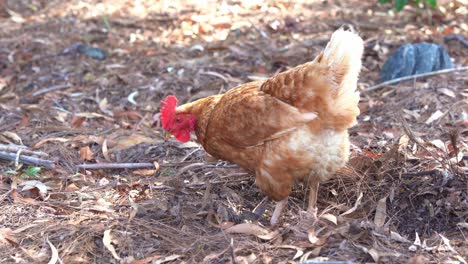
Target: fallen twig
99	166
189	167
52	89
16	148
380	85
27	160
425	173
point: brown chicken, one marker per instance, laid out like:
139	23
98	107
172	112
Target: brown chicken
293	126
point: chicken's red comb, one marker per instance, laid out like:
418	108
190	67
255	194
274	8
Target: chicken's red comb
167	110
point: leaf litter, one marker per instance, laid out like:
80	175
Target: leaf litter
406	180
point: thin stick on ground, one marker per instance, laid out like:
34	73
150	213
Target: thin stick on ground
16	148
27	160
108	166
425	173
380	85
52	89
104	166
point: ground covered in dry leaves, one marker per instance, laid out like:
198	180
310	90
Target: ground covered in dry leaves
403	197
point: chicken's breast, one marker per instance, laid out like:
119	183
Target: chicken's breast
301	154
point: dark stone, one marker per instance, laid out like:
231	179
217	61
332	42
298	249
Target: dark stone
95	53
413	59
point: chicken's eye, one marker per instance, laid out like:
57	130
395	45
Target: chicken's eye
177	119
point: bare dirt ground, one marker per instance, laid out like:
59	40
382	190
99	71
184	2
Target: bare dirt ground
403	197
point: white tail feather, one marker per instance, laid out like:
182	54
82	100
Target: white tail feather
343	54
343	57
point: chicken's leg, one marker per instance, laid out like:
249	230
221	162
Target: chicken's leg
313	192
278	211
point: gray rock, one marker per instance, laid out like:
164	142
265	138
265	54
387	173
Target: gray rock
415	58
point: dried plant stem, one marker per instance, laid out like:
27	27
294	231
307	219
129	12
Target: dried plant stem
380	85
52	89
424	173
27	160
100	166
16	148
104	166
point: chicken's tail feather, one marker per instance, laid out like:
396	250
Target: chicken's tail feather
326	85
342	57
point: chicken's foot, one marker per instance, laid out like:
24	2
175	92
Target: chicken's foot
278	211
313	192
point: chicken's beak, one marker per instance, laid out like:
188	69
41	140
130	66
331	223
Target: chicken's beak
167	135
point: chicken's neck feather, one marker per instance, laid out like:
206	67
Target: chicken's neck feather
199	107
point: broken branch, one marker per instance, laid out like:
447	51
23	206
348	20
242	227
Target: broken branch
411	77
52	89
16	148
27	160
104	166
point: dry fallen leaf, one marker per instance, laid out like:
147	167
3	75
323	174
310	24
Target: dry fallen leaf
24	121
130	115
104	107
131	97
247	228
246	259
86	153
447	92
314	239
71	187
381	212
312	236
13	136
438	144
55	257
134	209
7	236
130	141
416	244
397	237
403	143
61	117
27	185
374	254
107	241
299	251
446	246
19	199
145	172
105	150
330	218
94	115
223	225
411	113
356	204
436	115
252	229
77	121
42	142
103	206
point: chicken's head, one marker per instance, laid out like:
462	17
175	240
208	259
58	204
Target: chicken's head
179	125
